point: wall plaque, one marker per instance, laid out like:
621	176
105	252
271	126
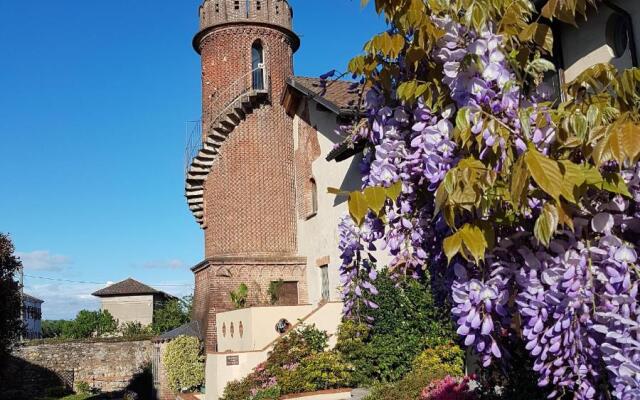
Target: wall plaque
233	360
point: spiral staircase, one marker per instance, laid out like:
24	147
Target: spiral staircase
235	103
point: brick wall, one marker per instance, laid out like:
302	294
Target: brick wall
307	151
249	194
215	12
226	274
108	366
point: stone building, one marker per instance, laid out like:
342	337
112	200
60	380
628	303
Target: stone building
131	301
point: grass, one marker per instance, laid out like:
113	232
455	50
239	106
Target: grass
69	397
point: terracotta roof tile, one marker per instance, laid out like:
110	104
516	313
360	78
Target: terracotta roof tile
126	288
337	92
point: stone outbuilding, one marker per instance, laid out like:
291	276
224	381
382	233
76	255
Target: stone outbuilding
132	301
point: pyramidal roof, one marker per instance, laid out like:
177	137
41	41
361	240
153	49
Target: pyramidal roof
128	287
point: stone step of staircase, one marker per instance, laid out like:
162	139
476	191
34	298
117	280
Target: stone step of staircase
217	133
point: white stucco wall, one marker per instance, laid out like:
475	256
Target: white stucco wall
318	235
586	45
33	325
130	308
258	326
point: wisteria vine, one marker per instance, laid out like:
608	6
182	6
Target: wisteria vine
574	299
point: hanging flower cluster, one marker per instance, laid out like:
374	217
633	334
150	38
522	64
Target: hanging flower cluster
532	206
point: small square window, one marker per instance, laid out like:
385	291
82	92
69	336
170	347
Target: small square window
277	9
217	7
258	5
236	4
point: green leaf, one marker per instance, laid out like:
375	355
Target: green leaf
572	178
376	196
546	224
621	143
474	241
545	172
358	207
519	182
336	191
614	183
579	124
393	191
452	245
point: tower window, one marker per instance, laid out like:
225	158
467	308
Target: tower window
258	5
236	5
314	197
217	7
277	9
257	65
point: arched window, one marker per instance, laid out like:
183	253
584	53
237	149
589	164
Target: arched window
314	197
257	65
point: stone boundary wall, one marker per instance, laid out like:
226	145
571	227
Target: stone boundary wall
111	367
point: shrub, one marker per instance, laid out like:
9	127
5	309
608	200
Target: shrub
448	388
296	363
296	345
83	387
272	393
131	328
431	364
239	296
407	321
238	390
440	361
184	364
320	371
274	291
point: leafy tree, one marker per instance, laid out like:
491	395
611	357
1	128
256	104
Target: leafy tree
54	328
173	314
10	324
130	329
407	321
90	324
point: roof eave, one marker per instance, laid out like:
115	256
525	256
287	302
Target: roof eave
317	97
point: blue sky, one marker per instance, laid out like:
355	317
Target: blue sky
93	102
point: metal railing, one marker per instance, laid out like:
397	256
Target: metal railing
253	82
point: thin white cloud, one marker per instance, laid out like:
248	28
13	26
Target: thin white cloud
62	300
43	260
164	264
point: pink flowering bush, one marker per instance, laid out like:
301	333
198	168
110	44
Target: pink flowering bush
448	388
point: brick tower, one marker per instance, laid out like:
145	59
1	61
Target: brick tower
240	178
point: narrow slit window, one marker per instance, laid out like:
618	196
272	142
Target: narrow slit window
314	196
217	7
277	9
236	5
257	65
258	5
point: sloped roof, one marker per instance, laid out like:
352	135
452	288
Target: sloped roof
190	329
128	287
32	298
337	97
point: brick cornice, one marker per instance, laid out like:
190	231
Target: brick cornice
249	260
249	27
